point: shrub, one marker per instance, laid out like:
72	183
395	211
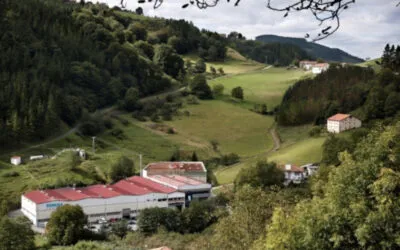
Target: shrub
11	174
230	159
191	99
315	131
154	118
117	133
139	116
108	123
171	131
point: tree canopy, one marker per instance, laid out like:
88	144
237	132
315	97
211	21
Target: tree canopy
65	226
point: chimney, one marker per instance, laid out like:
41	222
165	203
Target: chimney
74	186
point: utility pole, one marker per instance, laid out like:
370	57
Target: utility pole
140	164
94	144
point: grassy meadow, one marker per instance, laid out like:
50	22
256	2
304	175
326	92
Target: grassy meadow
262	86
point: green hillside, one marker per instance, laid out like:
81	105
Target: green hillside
314	49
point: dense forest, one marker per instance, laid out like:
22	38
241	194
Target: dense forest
278	54
344	89
313	49
60	59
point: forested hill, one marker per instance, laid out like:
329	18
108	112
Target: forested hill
314	49
59	59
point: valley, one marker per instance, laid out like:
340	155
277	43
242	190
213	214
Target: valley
225	120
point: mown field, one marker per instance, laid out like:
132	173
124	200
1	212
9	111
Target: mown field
262	86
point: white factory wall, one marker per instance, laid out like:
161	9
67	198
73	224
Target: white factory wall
96	208
28	208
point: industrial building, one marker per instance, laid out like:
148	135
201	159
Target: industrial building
124	199
192	169
187	177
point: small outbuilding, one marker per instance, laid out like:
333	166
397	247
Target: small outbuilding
16	160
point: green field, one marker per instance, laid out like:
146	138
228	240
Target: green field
372	64
263	86
296	148
236	129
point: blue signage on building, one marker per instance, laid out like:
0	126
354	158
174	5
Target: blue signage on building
54	205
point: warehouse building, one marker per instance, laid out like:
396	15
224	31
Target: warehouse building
123	199
194	169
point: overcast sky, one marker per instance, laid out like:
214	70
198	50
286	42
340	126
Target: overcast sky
366	26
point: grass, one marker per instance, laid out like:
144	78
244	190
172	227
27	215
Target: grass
372	63
237	130
296	148
263	86
300	153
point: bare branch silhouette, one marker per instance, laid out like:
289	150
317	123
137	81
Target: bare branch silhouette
324	11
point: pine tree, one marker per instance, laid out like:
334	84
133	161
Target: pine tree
386	56
194	156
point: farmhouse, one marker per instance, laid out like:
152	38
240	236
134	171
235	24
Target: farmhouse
16	160
293	174
307	65
342	122
320	67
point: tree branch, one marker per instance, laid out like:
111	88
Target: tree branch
322	10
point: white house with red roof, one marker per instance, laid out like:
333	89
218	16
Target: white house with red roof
342	122
293	174
194	169
16	160
307	65
125	198
319	68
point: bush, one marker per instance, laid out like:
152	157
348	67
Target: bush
11	174
192	99
315	131
108	123
139	116
154	118
229	159
117	133
171	131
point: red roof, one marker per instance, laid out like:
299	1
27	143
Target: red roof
176	180
291	168
132	186
339	117
197	166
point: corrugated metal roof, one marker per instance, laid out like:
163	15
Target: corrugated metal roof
197	166
131	186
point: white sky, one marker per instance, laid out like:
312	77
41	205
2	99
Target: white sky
366	26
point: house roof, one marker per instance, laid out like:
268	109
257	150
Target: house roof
131	186
291	168
310	62
339	117
196	166
176	180
321	65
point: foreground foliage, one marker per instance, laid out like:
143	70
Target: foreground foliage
357	208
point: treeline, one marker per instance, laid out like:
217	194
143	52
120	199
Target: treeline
278	54
391	57
342	89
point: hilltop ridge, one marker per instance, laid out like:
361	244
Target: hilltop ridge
314	49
